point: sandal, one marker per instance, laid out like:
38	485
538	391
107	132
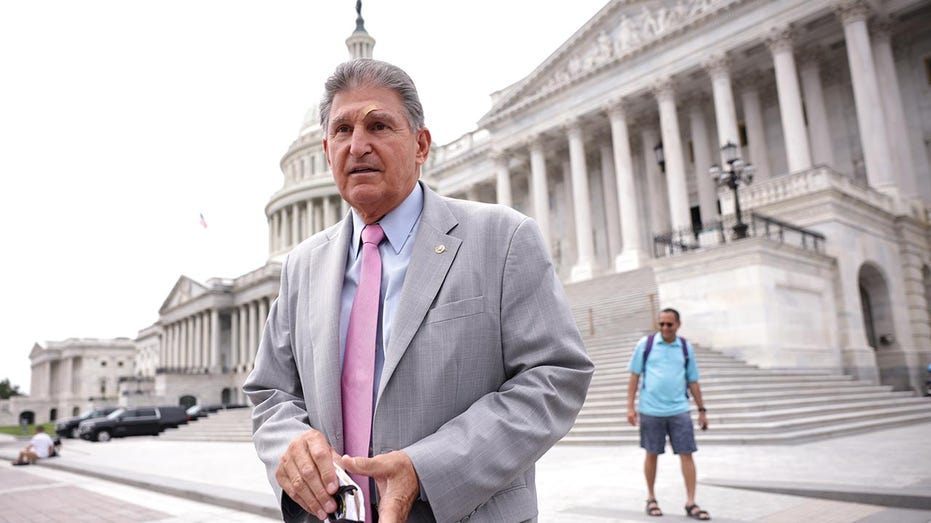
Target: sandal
654	510
695	512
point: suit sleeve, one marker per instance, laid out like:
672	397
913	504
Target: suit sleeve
483	450
274	388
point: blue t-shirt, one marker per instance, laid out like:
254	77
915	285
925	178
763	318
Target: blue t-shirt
663	392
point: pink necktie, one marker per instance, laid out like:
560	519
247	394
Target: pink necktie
359	361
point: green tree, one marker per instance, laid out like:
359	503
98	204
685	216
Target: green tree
7	389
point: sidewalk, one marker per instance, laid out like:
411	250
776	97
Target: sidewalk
882	476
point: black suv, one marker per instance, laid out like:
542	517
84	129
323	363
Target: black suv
142	421
68	427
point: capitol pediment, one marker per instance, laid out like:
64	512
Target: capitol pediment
185	290
620	30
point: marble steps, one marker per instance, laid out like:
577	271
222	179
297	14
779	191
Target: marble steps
767	429
745	413
225	425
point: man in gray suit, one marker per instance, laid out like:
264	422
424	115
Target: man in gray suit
479	367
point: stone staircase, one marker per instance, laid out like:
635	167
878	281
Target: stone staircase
746	405
223	425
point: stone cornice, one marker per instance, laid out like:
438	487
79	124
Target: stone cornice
675	22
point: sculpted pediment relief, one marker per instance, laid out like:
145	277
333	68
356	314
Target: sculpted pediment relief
620	29
184	291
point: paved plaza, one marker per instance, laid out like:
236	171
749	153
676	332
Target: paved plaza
882	476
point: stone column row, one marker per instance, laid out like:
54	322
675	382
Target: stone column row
247	325
192	343
296	222
881	120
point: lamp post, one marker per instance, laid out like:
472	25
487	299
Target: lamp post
735	173
660	156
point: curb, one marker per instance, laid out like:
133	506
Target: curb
236	499
904	497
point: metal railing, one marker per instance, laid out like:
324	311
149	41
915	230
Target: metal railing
721	232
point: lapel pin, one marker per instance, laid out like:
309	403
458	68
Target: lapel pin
439	249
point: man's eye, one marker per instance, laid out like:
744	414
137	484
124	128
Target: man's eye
378	126
341	129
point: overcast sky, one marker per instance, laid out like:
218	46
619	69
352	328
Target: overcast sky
122	121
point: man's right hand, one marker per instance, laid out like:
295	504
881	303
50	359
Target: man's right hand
632	416
307	475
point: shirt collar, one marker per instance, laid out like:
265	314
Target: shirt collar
397	224
659	339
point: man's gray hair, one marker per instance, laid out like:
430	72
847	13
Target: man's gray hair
365	72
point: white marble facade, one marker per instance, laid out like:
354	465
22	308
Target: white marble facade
829	100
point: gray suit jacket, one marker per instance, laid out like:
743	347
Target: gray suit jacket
484	372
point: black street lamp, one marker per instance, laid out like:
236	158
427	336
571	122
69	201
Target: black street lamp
660	156
736	172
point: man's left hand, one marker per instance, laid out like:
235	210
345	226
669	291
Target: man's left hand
395	479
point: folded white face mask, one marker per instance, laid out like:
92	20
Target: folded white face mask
350	503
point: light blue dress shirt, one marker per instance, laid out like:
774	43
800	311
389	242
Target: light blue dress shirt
400	226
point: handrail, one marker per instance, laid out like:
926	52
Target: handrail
720	232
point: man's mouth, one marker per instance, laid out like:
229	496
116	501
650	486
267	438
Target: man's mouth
363	169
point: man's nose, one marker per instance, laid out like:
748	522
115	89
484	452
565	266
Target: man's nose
360	144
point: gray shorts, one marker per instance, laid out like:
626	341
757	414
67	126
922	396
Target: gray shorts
653	431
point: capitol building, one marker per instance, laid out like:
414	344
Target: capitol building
768	164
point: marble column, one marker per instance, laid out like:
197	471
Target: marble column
632	255
184	348
873	133
702	150
725	112
541	200
569	246
819	132
798	153
757	150
204	340
657	200
244	337
197	341
502	178
272	236
295	225
327	211
309	217
214	363
234	339
584	266
609	193
896	124
318	215
672	149
253	331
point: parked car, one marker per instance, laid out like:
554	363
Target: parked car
143	421
68	427
172	416
196	412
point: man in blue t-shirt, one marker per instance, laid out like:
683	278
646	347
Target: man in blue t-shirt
664	380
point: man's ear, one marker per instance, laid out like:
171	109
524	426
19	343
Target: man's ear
423	145
326	151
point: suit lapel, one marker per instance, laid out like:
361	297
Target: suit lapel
327	269
425	275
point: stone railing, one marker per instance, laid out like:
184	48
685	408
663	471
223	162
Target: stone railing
722	232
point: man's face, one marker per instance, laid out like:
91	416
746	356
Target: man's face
668	325
374	155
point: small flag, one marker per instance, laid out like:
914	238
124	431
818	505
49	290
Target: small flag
203	222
